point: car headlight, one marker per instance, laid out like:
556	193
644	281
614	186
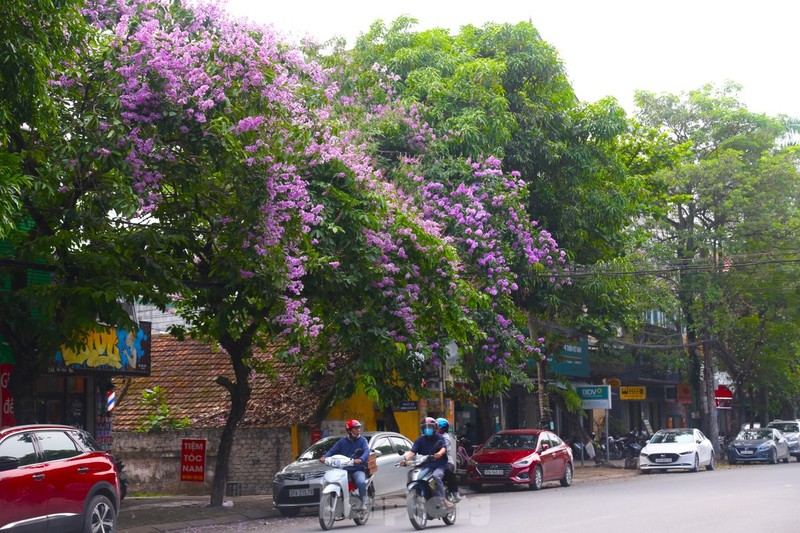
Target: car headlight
687	452
523	462
765	446
279	477
472	462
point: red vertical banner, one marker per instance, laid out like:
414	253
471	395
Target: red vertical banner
193	460
6	401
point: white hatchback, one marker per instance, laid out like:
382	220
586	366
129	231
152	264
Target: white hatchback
683	448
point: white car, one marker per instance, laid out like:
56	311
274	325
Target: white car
683	448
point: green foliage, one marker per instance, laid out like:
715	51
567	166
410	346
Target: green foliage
162	417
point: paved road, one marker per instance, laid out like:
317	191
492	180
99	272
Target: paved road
742	499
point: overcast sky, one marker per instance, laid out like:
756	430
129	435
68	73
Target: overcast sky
609	47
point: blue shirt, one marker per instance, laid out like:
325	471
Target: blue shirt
429	446
345	446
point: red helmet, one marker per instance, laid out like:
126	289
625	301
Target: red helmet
352	424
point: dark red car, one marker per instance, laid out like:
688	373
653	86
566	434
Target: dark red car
521	457
56	478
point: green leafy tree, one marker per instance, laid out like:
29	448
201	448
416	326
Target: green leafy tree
731	222
501	91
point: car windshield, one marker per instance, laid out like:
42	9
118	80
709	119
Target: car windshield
754	434
318	449
501	441
670	437
786	427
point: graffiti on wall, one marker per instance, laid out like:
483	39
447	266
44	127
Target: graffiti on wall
109	350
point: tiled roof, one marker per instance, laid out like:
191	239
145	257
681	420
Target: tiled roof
187	371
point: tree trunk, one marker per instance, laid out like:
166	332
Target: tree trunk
239	391
541	380
486	427
713	421
389	420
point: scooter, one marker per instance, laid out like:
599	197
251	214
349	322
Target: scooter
339	496
421	504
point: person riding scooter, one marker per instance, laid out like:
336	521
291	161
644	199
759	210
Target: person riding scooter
432	444
348	446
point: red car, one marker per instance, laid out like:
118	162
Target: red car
56	478
521	457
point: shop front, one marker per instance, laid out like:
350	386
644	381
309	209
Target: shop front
77	389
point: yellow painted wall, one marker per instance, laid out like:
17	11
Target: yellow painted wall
361	408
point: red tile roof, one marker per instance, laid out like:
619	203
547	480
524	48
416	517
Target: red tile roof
187	371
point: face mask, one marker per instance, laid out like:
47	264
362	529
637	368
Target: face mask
428	432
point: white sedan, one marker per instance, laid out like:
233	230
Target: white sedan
683	448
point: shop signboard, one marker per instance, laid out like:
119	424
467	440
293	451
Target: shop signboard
633	393
193	460
595	396
408	405
6	401
684	393
107	350
723	397
573	359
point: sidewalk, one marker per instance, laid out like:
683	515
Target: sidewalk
177	513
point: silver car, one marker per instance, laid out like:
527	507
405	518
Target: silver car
298	484
790	430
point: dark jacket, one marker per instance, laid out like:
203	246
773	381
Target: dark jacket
345	446
429	446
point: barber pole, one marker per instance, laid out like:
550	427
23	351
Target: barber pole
110	401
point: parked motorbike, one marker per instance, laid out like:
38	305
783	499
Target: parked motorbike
421	504
589	451
463	452
339	495
614	448
123	479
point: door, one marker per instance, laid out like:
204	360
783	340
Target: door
548	456
69	476
23	495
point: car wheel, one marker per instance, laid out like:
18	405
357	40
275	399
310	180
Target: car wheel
711	463
696	466
289	512
101	517
538	478
773	457
566	481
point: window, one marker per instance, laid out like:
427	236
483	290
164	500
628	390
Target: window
382	445
57	445
400	445
20	447
85	440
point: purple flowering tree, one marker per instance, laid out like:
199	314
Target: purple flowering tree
482	213
258	210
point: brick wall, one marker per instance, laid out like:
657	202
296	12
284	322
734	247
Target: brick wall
152	460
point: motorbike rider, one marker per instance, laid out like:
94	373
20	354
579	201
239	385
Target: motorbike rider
450	443
348	446
432	444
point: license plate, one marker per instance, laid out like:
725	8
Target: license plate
492	472
299	493
746	452
663	460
